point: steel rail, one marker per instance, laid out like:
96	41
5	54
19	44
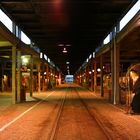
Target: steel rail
100	124
56	121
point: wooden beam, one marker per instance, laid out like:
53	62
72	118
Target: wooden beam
5	43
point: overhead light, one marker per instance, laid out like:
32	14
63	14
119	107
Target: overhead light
99	70
68	45
67	62
64	50
61	45
89	72
25	60
68	71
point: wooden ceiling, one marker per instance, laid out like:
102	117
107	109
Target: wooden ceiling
83	24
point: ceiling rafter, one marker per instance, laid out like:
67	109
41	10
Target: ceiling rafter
81	23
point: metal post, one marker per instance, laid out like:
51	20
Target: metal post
101	82
112	75
18	76
116	73
47	74
42	80
39	77
31	75
92	74
13	75
95	76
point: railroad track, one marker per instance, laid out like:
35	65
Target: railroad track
58	115
57	122
93	116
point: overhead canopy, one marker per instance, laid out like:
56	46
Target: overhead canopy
78	25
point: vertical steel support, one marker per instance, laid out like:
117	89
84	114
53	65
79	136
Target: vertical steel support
59	78
18	76
92	76
115	72
31	75
113	100
47	74
13	74
42	80
80	77
39	77
87	75
101	82
95	76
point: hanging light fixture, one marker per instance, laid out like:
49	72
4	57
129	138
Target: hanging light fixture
64	50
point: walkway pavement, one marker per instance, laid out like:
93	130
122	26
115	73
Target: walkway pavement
118	124
116	121
6	100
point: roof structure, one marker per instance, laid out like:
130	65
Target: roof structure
79	26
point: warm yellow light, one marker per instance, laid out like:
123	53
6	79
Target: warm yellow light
25	60
99	70
89	72
134	75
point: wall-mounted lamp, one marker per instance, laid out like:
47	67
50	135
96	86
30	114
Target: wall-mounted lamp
25	59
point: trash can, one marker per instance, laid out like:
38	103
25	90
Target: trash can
22	93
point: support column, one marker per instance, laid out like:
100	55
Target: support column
101	82
31	75
42	80
50	79
80	77
87	76
59	78
13	75
47	75
1	77
113	100
18	76
116	73
2	73
92	76
38	77
95	76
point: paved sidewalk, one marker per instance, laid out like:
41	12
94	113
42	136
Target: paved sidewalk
6	100
117	122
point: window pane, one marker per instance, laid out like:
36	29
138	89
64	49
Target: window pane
5	20
25	39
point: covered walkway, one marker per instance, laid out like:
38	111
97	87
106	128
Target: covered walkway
112	118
